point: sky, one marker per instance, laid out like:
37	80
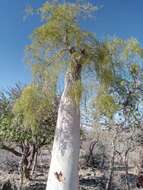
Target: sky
121	18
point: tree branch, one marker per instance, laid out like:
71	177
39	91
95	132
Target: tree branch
10	149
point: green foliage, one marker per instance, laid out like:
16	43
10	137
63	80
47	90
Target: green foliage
27	104
60	22
118	74
5	117
114	57
107	65
60	32
30	118
59	18
46	78
32	104
133	47
76	91
105	104
134	69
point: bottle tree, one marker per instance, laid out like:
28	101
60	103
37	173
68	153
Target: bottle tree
60	40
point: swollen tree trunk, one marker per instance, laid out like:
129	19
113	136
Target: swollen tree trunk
63	173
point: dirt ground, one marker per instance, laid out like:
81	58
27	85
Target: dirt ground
90	179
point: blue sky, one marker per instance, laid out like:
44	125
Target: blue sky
122	18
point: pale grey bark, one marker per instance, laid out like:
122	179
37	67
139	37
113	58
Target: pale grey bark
63	173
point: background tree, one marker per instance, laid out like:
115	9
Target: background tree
24	126
122	103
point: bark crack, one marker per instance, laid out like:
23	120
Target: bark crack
59	176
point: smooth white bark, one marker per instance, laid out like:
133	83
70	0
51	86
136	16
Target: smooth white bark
63	173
